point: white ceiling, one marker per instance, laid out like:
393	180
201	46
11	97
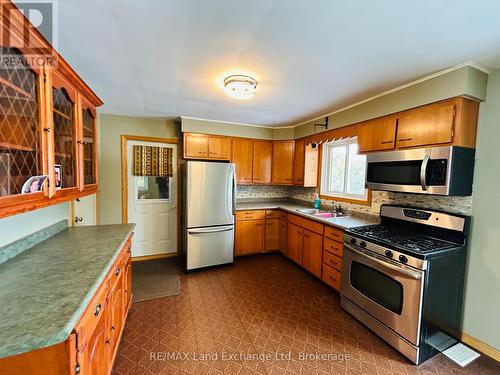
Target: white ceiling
164	57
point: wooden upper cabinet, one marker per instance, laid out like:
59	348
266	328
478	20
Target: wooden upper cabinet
262	161
283	162
428	125
202	146
195	146
88	143
65	133
377	134
22	138
242	158
311	165
219	148
299	161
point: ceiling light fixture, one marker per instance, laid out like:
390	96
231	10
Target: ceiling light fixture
240	87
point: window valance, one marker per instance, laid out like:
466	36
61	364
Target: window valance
152	161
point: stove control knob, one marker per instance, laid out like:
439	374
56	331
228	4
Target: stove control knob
362	244
389	254
403	259
353	241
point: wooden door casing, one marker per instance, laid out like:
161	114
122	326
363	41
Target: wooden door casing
242	155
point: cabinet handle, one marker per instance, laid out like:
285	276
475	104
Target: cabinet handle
333	262
404	139
47	130
200	152
333	278
113	328
259	225
269	223
117	272
107	342
97	309
77	368
386	142
128	249
306	236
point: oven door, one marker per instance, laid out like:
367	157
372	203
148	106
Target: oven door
390	292
422	170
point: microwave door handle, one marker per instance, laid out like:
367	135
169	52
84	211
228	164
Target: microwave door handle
423	172
373	258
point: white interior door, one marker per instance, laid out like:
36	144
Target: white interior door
152	206
84	211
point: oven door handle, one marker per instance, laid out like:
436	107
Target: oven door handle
376	259
423	172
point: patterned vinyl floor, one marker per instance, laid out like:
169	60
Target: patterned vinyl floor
264	315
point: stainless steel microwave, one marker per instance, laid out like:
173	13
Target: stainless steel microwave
445	170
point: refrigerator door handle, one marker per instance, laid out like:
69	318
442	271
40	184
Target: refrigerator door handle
214	230
234	193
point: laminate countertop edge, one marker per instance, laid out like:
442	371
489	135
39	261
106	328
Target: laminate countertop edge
20	345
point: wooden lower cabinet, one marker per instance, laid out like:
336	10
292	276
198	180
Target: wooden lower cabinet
283	225
272	241
332	257
92	346
249	236
331	276
294	237
312	251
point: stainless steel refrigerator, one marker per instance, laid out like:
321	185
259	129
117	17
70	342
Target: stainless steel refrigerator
209	193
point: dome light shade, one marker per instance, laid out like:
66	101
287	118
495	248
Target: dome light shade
240	87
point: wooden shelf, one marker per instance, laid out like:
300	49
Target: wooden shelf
60	154
16	146
64	115
16	88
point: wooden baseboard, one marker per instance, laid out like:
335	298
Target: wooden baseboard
484	348
151	257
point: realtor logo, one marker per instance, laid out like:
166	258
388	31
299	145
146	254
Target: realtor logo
41	14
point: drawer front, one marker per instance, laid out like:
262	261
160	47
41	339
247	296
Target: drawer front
92	315
332	260
334	233
273	214
332	246
331	276
250	215
311	225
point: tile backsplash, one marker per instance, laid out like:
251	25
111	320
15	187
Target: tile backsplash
461	205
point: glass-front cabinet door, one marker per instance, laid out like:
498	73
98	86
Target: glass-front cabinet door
88	142
21	144
65	134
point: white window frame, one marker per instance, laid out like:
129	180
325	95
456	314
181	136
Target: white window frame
325	171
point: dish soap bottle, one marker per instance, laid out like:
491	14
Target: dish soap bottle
317	202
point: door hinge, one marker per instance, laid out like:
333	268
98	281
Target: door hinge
77	368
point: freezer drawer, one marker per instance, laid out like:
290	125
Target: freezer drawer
209	246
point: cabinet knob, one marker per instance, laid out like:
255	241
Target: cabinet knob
128	249
113	328
97	309
117	272
47	130
108	341
77	368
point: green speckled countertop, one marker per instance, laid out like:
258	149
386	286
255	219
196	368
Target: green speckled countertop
45	289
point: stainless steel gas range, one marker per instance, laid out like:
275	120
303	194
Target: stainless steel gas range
403	278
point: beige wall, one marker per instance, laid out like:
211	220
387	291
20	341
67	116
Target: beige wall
111	127
465	81
482	303
225	128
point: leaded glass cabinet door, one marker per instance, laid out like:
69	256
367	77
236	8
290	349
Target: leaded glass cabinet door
21	155
65	134
88	142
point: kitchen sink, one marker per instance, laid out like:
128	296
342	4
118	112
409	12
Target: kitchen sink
321	214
